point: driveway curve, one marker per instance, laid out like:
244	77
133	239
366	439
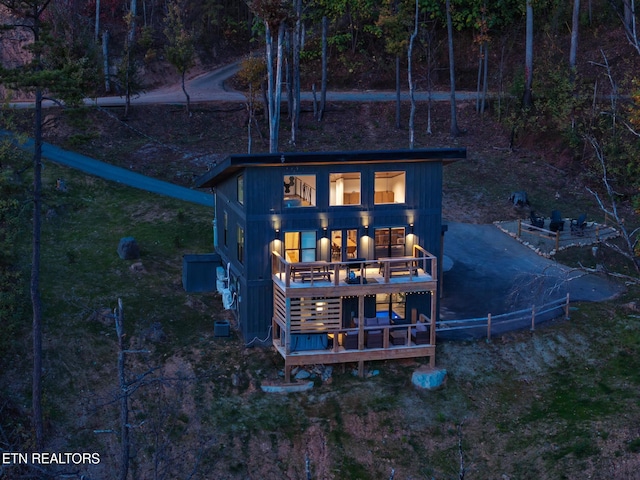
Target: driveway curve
490	272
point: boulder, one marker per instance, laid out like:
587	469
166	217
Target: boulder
128	248
429	378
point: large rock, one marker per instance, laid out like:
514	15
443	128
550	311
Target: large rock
429	378
128	248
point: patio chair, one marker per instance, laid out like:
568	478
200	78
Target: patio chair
536	220
420	334
556	224
578	225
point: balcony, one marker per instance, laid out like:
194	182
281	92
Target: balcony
414	273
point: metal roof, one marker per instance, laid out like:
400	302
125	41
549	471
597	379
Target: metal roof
231	164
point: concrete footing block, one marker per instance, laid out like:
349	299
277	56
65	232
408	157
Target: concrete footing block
287	387
429	378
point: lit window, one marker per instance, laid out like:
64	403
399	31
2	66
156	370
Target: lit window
344	188
390	187
300	246
299	191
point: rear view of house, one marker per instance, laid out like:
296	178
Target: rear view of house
334	257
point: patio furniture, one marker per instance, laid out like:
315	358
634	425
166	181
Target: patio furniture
536	220
398	337
578	225
420	334
372	338
556	224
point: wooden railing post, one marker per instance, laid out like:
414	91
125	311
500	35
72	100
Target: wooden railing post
519	228
489	327
566	308
557	240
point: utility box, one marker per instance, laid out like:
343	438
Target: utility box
199	272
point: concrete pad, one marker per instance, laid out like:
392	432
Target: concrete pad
429	378
494	273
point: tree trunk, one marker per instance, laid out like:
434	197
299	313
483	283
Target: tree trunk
97	28
124	396
105	61
527	99
323	86
274	85
398	90
184	89
455	131
412	113
575	23
36	301
297	47
35	275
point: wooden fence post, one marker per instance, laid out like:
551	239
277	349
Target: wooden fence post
557	240
566	308
533	318
519	228
489	327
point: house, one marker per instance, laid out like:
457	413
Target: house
333	257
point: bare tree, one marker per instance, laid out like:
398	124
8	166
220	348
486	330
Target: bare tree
454	130
630	237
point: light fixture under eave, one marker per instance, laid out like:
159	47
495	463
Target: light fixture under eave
277	234
411	228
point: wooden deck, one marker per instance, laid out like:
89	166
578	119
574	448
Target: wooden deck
308	321
368	277
398	341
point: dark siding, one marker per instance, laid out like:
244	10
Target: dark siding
263	204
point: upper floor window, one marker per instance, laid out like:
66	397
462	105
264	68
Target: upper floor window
299	191
344	188
241	189
390	187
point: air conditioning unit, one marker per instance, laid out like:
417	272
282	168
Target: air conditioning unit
228	299
222	279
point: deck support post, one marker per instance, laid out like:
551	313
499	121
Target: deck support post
361	368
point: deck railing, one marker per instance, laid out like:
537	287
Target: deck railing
325	271
408	331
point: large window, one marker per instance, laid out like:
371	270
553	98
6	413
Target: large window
389	242
391	305
240	244
344	244
300	246
344	188
299	191
390	187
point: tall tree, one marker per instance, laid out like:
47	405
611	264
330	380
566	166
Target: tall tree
527	99
180	50
412	114
31	13
274	15
41	74
454	130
